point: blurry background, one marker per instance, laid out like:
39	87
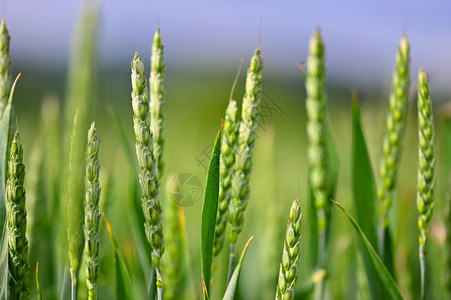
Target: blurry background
204	43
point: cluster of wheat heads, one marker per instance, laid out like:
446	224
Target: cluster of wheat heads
226	195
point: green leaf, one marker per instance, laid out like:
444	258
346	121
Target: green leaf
209	211
334	161
123	139
363	186
363	190
233	283
387	253
383	277
124	288
5	125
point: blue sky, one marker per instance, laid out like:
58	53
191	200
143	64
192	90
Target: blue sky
361	37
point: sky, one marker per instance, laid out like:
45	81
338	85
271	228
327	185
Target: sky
361	37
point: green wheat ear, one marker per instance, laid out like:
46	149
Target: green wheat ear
157	99
19	268
92	213
5	65
148	177
290	255
426	165
396	122
246	140
227	168
316	130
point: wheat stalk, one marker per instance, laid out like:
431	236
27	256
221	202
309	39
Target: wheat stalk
92	213
19	267
226	171
246	139
148	177
157	100
290	254
316	127
5	65
426	165
396	122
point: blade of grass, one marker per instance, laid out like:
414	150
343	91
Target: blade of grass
363	189
5	126
124	288
384	278
209	212
233	283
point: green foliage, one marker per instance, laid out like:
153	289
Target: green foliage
123	283
385	280
233	283
144	256
209	212
364	191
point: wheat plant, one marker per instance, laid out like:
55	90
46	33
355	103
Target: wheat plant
316	127
396	122
5	65
291	251
426	166
157	99
246	141
92	213
19	268
148	177
227	169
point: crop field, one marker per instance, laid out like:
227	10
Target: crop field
153	182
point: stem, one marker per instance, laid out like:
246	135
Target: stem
73	277
231	261
319	290
159	284
423	271
322	262
381	242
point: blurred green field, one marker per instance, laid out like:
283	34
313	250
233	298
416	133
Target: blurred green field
196	102
196	98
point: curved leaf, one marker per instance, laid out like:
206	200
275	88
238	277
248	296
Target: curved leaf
384	278
364	190
209	212
124	288
231	288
